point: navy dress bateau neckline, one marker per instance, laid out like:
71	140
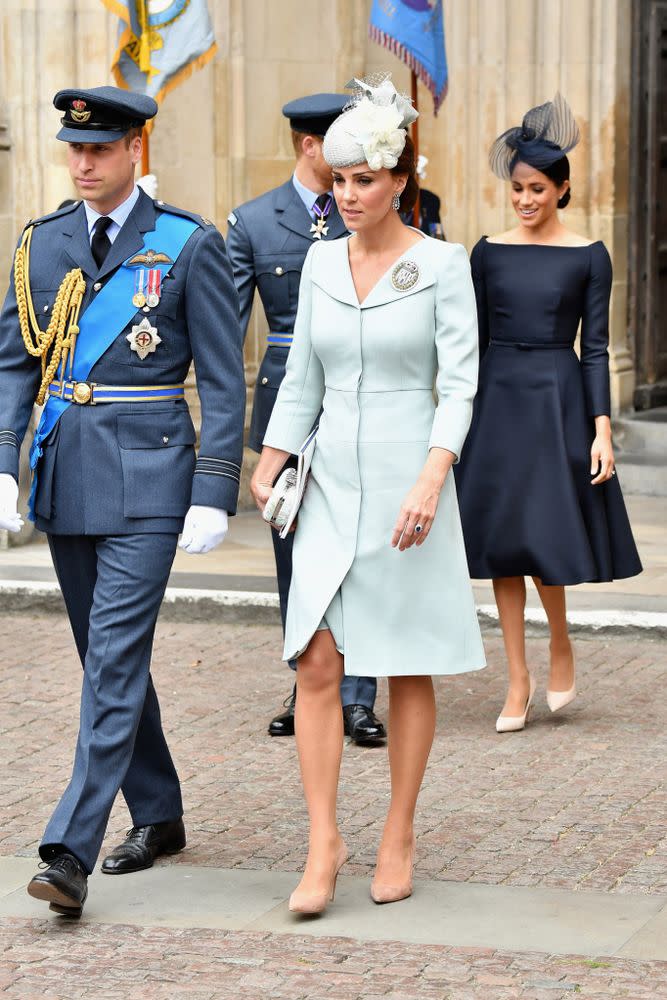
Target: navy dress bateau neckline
524	483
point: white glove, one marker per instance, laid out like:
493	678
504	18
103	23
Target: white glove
10	519
204	528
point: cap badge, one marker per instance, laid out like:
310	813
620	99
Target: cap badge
150	258
79	113
405	275
144	339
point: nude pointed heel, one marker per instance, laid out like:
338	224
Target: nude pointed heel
381	892
559	699
312	903
515	723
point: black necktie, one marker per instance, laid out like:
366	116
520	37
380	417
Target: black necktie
322	201
100	243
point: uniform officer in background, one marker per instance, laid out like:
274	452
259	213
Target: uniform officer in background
112	298
268	239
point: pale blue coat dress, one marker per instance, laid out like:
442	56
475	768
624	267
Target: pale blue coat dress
372	368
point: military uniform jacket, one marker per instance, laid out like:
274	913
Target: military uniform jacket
267	241
119	468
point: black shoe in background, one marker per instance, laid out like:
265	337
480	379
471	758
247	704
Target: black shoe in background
63	885
283	724
143	845
362	726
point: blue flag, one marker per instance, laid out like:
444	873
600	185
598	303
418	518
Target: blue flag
160	43
414	31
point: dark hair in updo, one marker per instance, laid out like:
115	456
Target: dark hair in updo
559	172
407	164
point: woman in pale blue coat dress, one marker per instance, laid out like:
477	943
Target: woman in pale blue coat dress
380	582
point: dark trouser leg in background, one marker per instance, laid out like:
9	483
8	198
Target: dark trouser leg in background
353	690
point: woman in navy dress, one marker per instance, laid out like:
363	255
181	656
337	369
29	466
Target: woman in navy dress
538	491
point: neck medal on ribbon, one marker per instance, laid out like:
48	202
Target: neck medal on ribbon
320	228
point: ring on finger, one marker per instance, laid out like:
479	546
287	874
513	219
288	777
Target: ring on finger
419	528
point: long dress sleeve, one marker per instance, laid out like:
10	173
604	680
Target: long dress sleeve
457	351
595	333
479	283
301	392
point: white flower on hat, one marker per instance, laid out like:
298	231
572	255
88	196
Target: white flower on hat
377	130
372	128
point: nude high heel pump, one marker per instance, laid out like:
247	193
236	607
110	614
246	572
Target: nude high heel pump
312	903
559	699
514	723
381	892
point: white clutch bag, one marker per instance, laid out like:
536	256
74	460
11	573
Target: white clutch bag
283	504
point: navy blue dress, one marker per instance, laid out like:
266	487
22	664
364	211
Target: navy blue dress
524	483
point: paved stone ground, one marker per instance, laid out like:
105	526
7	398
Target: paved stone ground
60	961
576	801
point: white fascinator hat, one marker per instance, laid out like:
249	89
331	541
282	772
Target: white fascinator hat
372	128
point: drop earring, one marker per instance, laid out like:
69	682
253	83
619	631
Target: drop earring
396	202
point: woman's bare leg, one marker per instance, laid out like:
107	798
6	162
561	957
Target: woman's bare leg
510	594
319	738
561	676
411	731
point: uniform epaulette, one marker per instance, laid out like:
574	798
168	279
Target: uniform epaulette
199	219
53	215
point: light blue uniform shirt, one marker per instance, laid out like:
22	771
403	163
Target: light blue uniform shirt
307	196
118	216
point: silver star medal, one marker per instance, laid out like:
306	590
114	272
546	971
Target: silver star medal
319	228
144	338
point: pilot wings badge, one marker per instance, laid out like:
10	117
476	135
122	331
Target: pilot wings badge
150	258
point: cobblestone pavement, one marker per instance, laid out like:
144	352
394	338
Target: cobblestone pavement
576	801
119	963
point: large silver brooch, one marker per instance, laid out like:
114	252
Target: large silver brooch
405	275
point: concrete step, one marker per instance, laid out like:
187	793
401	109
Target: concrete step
640	432
642	472
640	444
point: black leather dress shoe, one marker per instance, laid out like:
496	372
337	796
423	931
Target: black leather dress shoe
283	724
63	884
362	726
143	845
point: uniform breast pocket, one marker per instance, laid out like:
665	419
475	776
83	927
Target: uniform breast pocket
42	301
144	350
158	460
278	277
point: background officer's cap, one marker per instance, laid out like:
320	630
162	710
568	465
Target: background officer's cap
101	114
313	115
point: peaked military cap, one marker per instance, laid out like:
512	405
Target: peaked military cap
101	114
313	115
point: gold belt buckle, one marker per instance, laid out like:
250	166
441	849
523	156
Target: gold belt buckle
82	393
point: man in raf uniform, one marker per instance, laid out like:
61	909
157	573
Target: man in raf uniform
268	239
115	295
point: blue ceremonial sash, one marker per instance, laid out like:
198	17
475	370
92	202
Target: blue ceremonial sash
104	319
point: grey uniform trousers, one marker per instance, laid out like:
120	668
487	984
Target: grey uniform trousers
113	588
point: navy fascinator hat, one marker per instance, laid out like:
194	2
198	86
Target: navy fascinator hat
547	133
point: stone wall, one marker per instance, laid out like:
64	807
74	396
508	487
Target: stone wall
220	138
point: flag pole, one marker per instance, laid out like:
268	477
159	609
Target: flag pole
145	154
415	140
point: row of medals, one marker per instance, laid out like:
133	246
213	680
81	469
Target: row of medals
147	286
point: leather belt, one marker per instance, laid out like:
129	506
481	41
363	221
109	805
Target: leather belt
279	339
530	345
91	393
